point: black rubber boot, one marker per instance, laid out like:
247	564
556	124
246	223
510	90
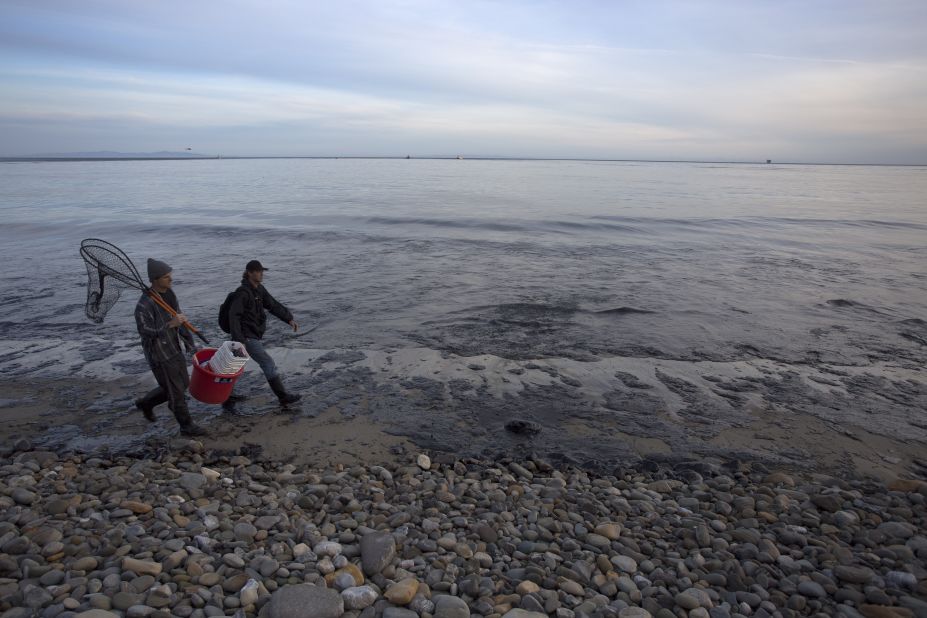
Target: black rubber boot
146	408
229	404
192	430
147	403
276	385
187	426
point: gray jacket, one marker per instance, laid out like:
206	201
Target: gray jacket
160	343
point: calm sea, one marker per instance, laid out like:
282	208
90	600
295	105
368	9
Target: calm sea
521	259
444	297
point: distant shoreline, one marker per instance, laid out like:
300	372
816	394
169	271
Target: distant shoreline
439	158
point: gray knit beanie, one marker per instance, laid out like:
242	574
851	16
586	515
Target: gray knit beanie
157	269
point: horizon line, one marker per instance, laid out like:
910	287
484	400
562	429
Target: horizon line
197	157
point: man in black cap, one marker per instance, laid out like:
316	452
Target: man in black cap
248	321
161	334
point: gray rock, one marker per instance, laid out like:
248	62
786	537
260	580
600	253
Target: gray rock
853	574
358	597
192	481
811	589
23	496
447	606
897	529
244	531
686	601
399	612
633	612
901	579
304	600
377	552
625	564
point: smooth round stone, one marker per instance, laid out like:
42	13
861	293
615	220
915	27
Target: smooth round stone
634	612
304	600
571	587
610	531
248	595
402	592
853	574
450	607
597	540
327	548
846	519
625	564
686	600
268	567
902	579
23	496
358	597
244	531
399	612
233	560
487	534
100	601
526	587
52	578
141	567
897	530
209	579
125	600
16	546
87	563
343	581
57	507
811	589
140	611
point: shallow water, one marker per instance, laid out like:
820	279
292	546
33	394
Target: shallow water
524	261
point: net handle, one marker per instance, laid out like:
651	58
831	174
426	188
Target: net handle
163	304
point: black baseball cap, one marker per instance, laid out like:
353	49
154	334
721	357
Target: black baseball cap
254	265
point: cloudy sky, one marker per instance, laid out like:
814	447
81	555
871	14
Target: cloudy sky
803	80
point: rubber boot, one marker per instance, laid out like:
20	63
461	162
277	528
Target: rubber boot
192	430
147	403
229	404
276	385
187	426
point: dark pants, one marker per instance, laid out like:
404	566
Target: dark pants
173	381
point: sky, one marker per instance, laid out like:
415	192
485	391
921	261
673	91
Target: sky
740	80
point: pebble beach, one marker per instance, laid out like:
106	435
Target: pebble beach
195	532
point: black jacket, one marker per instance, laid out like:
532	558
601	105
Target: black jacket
247	319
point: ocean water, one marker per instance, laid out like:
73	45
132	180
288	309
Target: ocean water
516	258
522	261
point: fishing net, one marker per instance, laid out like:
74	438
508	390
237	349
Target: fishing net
109	271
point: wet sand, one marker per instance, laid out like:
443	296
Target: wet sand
377	406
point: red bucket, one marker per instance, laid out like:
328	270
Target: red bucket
207	386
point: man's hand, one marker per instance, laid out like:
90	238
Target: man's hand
294	325
177	321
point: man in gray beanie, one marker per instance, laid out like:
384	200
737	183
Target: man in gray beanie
161	334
